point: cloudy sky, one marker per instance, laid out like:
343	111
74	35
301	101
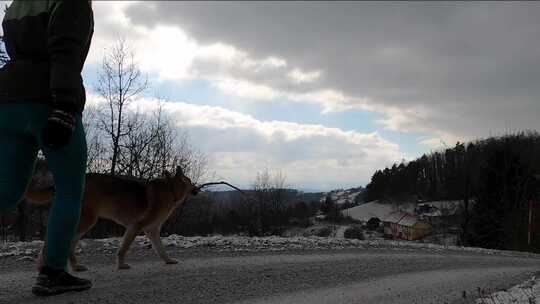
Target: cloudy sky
329	92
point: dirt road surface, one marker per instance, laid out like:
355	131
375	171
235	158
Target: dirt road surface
311	276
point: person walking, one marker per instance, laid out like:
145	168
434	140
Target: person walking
42	98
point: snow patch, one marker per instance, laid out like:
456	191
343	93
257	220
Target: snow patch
20	249
241	243
525	293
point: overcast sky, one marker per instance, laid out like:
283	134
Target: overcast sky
329	92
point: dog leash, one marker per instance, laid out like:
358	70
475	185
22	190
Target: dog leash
220	183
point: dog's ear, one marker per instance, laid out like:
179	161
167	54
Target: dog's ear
179	171
166	174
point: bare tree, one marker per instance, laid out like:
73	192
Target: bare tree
94	140
135	142
270	192
193	161
155	144
120	81
4	58
3	54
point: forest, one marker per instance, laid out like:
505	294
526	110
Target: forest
494	177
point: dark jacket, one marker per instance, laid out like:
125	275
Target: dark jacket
47	42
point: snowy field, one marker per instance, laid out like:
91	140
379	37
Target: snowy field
366	211
379	210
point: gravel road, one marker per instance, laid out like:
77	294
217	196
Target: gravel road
311	276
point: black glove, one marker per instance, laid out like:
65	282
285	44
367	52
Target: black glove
59	127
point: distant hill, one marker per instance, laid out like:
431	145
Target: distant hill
293	196
342	197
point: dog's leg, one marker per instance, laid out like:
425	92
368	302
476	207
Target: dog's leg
73	258
153	235
40	257
129	236
87	221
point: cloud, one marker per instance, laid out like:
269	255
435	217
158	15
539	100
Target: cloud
246	89
309	154
300	76
172	53
464	69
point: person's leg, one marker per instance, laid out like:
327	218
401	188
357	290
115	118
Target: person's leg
68	166
18	152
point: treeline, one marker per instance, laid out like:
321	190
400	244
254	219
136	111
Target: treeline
266	209
269	214
205	215
494	177
202	215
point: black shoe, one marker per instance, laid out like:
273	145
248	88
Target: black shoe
52	282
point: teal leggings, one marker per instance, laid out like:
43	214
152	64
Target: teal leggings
20	140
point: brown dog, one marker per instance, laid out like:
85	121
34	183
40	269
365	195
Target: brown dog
135	204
